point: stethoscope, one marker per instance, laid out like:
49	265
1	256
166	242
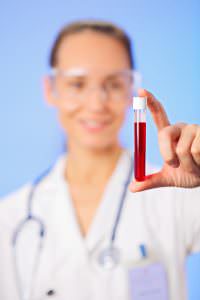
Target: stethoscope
30	217
107	259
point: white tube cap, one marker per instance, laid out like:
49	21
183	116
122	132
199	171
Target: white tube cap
139	102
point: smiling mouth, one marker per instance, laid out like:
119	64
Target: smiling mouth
93	125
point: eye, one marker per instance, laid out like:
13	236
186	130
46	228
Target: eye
115	84
76	84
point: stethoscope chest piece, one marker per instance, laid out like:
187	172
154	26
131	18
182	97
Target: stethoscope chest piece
109	258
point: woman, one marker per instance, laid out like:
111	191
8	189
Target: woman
75	205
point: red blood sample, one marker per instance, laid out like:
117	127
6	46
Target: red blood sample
140	150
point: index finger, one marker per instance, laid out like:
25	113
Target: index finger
157	110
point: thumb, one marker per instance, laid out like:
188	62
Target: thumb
151	181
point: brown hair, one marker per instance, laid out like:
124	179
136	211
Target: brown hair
107	28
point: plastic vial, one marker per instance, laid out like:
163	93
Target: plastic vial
139	107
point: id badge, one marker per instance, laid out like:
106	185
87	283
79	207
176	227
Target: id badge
148	282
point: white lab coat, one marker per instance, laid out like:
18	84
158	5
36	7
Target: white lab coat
166	220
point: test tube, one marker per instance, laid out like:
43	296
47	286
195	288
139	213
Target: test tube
139	107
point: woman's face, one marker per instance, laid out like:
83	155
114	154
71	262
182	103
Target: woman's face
90	114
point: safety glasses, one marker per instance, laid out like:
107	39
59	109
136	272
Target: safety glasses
76	85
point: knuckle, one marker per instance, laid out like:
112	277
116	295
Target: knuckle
191	127
180	124
181	151
195	150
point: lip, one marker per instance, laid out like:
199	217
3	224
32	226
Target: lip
94	126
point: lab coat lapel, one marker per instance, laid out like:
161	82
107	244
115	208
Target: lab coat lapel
104	220
68	233
61	222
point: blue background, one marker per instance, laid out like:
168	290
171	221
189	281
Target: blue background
167	46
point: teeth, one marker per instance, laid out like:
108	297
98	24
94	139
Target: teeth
93	123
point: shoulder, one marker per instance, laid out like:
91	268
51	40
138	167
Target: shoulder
15	198
13	205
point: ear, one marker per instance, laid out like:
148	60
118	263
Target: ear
48	91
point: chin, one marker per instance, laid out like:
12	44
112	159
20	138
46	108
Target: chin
98	145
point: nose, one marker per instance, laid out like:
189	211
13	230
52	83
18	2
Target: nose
96	99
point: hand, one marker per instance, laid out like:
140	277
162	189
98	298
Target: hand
180	148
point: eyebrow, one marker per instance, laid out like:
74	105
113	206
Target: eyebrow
74	77
73	72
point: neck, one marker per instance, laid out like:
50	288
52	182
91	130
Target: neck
86	166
